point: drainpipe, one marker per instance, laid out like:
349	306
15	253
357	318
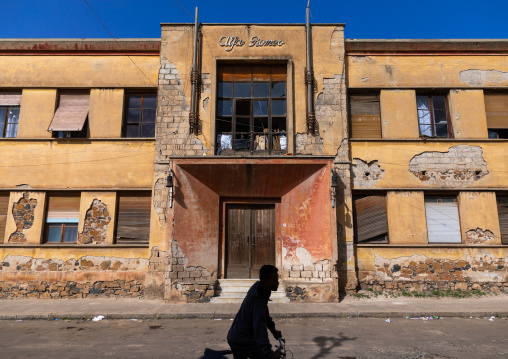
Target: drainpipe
309	79
193	115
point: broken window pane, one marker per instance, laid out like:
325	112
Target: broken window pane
224	108
242	124
279	89
224	124
242	107
261	108
279	124
260	124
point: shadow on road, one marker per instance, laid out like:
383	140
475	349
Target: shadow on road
327	344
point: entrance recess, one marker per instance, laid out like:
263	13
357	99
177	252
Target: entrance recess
250	239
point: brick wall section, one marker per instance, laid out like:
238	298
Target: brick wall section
461	165
96	224
71	290
23	213
481	271
318	271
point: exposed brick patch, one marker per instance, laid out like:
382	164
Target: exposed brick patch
172	126
161	193
422	273
196	292
157	261
479	236
71	290
23	213
461	164
309	144
366	174
319	271
87	263
96	224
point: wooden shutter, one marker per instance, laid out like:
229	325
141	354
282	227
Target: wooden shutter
443	225
502	210
10	98
63	207
371	221
71	113
365	116
4	209
496	108
133	218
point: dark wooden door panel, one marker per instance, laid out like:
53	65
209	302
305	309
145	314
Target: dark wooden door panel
238	242
263	238
250	239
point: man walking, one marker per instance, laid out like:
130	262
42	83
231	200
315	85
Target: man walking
248	335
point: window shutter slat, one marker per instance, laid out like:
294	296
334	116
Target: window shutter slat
496	108
4	210
71	113
502	209
371	219
63	206
133	223
443	224
10	99
365	116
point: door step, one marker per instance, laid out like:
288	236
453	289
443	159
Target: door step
235	290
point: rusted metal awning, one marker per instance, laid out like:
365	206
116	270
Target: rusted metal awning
10	98
71	113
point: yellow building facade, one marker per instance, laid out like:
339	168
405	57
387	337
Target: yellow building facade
129	169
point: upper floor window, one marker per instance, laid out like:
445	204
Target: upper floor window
365	116
433	118
70	119
251	109
139	119
9	113
496	109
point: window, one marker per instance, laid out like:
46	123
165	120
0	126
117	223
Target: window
251	109
502	210
133	217
139	118
9	113
4	209
496	109
365	116
62	218
70	119
443	225
433	118
370	219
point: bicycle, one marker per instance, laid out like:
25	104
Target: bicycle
220	354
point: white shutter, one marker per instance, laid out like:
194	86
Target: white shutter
443	225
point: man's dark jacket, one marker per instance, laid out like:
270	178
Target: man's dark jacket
252	321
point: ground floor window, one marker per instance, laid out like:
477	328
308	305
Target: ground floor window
133	217
502	210
443	224
62	217
370	219
251	109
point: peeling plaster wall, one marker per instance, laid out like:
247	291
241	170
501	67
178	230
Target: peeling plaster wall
410	71
365	174
394	157
96	221
23	214
479	218
24	226
430	269
458	166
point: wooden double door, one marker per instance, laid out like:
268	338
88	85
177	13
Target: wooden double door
250	239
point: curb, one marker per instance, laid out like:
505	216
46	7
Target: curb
152	316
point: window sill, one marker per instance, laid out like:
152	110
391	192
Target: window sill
74	245
433	139
431	245
78	140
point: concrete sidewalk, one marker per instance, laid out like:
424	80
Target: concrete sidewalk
349	307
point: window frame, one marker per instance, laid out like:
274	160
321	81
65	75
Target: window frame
62	226
373	240
353	122
120	213
140	123
432	115
6	120
69	221
439	197
270	135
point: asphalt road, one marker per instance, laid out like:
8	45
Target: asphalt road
309	338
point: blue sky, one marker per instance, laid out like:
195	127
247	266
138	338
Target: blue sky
376	19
